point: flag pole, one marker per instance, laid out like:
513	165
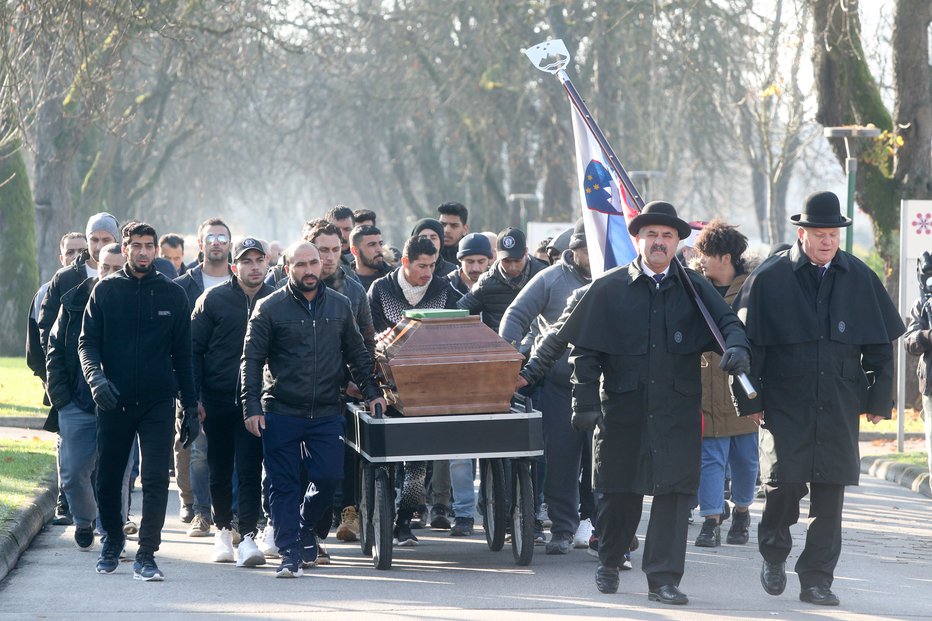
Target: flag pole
552	57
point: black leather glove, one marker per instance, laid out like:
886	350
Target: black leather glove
190	427
735	361
586	420
105	394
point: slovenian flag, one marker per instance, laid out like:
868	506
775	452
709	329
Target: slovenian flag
607	208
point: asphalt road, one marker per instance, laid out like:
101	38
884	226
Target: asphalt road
885	573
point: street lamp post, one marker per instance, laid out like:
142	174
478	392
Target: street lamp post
850	132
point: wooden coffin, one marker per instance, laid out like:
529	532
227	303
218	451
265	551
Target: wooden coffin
442	362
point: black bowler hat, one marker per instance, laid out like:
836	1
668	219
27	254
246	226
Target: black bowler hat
821	211
660	212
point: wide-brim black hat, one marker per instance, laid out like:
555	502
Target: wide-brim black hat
821	211
660	212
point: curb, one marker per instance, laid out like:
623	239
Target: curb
867	436
911	477
18	530
27	422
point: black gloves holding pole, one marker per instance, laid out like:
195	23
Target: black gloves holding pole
735	361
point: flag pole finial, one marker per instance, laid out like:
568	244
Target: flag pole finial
550	56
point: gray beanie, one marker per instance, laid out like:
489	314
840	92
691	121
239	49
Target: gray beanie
103	221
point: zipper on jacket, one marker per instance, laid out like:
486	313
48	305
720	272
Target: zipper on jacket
248	314
316	363
136	352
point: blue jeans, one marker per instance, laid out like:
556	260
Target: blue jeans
78	462
740	452
463	478
287	442
200	476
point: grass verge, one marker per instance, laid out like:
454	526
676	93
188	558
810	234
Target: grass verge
915	458
23	463
20	390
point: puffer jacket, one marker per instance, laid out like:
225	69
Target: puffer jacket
293	356
493	292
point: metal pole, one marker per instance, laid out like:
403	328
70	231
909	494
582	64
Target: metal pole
900	350
629	187
851	168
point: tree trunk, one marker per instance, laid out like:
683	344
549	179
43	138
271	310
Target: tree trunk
17	251
848	95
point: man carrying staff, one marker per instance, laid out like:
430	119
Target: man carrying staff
821	326
637	338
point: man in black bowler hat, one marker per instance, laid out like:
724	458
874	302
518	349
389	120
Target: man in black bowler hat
637	338
821	328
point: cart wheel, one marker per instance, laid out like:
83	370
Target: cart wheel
522	513
383	518
365	507
493	478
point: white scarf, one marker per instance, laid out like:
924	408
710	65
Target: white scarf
413	294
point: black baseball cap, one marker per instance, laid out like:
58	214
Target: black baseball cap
248	243
511	244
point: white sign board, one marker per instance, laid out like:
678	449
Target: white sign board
537	231
915	238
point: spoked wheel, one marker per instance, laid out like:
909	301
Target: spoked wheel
493	478
383	519
365	507
522	512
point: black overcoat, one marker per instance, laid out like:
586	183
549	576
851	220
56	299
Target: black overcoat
635	356
821	356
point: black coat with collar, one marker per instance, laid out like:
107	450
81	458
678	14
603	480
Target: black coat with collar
218	330
64	280
192	281
821	355
635	357
293	358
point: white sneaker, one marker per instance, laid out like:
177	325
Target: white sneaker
223	546
266	542
581	538
543	517
248	553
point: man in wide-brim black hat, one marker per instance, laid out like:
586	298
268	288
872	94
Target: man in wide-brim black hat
637	338
821	327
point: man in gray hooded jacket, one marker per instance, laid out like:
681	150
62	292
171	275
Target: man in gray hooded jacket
542	301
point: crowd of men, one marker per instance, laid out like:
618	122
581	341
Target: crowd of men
233	372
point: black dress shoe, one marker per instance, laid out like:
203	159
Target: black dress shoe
668	594
606	579
773	577
819	595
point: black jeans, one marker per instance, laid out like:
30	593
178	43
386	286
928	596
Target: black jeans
229	442
116	430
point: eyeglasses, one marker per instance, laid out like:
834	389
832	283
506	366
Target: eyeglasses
220	239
